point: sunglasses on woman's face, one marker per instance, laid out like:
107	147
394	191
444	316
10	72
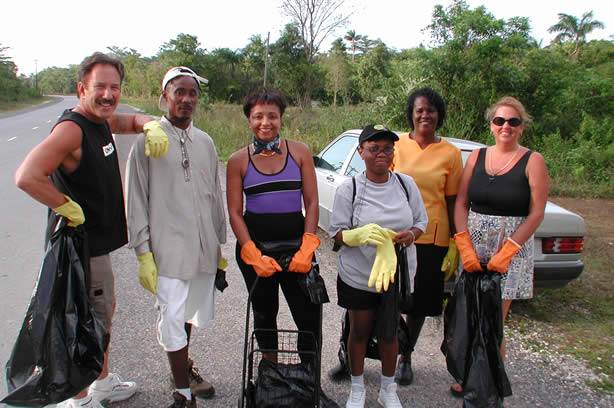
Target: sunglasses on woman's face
375	149
514	122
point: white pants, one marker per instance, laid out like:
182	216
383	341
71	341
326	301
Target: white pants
179	301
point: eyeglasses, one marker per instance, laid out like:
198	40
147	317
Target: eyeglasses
514	122
375	149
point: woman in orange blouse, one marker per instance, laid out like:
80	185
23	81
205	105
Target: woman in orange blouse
436	166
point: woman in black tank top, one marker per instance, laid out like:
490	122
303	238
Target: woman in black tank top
500	203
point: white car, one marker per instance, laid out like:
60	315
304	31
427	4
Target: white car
559	239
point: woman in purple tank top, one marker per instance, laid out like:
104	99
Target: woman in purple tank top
276	176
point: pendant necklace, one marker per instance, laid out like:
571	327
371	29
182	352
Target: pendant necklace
265	153
491	177
269	154
185	160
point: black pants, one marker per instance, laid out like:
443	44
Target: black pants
428	283
265	305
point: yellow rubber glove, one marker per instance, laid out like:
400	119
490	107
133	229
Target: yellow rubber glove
449	266
501	260
470	260
72	211
301	261
148	272
384	266
367	234
156	140
222	264
263	265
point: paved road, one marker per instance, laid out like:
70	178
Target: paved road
136	355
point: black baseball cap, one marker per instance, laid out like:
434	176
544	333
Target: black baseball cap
371	131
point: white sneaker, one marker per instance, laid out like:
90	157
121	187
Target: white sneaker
357	397
112	389
87	402
388	397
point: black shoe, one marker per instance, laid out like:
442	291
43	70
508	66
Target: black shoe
404	374
198	385
339	373
182	402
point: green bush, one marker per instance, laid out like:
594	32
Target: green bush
583	165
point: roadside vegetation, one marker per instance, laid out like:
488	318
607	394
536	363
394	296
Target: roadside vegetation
15	92
473	59
22	103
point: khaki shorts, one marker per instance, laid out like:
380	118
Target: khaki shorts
102	288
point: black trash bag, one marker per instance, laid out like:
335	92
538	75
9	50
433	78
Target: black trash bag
473	332
60	348
397	299
388	314
285	386
406	300
372	347
282	251
312	285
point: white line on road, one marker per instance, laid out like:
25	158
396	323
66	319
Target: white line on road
49	121
13	138
35	127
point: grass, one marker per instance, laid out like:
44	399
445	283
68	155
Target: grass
26	103
227	124
579	318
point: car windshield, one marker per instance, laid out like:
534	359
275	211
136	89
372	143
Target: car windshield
334	157
357	165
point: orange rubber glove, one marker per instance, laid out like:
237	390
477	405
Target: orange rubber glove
501	260
301	261
264	266
469	258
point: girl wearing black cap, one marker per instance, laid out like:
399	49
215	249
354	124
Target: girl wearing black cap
366	221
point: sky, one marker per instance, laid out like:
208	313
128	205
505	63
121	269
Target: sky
43	34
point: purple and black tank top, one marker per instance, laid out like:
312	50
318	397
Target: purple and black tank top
273	202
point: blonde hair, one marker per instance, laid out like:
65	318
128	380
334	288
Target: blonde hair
511	102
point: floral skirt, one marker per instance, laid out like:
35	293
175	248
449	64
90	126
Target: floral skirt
488	234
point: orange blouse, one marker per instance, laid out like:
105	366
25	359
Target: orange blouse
437	171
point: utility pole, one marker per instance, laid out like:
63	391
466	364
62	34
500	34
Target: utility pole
35	75
266	59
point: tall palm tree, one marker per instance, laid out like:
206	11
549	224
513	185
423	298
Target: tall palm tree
570	29
353	39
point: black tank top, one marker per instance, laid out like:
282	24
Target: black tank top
507	194
96	186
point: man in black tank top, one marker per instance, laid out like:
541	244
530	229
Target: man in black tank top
75	172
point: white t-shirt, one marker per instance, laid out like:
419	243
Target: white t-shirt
384	204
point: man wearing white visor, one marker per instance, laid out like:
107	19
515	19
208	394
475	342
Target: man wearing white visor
176	223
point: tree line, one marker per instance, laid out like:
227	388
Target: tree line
12	87
474	58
